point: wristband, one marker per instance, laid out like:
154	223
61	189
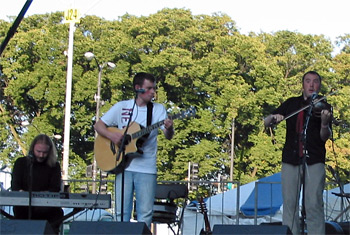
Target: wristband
170	128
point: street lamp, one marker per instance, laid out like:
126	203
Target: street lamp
90	56
26	124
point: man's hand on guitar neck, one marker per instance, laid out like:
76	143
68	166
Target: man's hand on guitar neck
115	137
169	128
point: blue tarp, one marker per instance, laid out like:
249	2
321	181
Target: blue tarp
269	197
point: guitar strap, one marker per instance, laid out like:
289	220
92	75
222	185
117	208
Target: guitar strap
149	113
141	140
149	118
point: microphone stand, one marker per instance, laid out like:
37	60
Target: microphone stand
30	186
122	153
305	155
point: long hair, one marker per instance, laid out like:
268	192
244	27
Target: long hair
52	155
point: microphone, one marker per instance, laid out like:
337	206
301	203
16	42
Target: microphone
141	90
30	155
313	96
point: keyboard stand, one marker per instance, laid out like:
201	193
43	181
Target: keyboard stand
59	221
7	215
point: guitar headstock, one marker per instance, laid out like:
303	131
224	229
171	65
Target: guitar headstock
191	112
202	206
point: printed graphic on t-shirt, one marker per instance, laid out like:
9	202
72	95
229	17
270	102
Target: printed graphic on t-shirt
125	116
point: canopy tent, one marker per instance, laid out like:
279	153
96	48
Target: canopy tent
224	208
230	201
267	195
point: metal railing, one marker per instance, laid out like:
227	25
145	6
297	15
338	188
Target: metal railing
215	192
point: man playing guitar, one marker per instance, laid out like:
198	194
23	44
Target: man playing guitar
140	174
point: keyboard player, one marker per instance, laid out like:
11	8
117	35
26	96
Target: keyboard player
37	172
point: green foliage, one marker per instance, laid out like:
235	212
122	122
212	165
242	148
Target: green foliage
201	61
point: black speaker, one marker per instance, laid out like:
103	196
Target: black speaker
251	229
334	228
108	227
25	227
345	227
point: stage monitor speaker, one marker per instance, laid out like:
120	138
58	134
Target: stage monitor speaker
345	227
334	228
25	227
251	229
108	227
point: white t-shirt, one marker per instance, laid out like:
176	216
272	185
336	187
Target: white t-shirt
118	116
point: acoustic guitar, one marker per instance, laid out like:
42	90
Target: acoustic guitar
106	152
203	208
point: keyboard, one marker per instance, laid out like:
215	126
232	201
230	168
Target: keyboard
51	199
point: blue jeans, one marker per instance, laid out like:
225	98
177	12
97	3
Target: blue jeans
144	186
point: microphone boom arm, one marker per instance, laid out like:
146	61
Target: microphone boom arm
15	25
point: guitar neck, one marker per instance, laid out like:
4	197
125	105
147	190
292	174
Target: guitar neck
146	130
206	223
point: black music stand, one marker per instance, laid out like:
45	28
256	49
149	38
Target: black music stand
165	210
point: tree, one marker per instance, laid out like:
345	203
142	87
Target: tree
200	61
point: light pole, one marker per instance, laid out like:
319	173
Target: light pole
89	56
68	104
232	149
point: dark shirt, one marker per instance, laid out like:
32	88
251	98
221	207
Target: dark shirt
45	178
314	144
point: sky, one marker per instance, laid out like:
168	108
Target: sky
328	17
